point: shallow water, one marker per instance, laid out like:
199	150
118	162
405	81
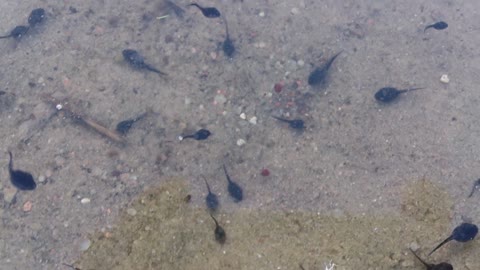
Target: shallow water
352	168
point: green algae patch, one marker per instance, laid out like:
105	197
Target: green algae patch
166	232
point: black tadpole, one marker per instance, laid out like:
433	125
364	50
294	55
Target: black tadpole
227	45
211	200
234	189
209	12
220	235
17	32
124	126
36	17
20	179
430	266
389	94
437	26
462	233
294	123
135	60
320	73
200	135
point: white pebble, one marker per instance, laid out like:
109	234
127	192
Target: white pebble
59	107
241	142
85	200
444	78
253	120
243	116
85	244
295	11
300	63
41	179
131	211
219	99
261	14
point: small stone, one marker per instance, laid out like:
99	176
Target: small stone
48	173
131	211
262	44
253	120
300	63
213	55
243	116
278	87
219	99
295	11
9	194
27	206
85	200
241	142
261	14
41	179
84	245
445	79
414	246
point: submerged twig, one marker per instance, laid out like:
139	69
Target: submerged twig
87	121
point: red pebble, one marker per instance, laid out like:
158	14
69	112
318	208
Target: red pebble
278	87
265	172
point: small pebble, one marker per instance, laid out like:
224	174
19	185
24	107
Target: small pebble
41	179
27	207
300	63
9	194
444	78
265	172
295	11
85	200
213	55
132	212
243	116
241	142
261	14
219	99
253	120
278	87
414	246
85	244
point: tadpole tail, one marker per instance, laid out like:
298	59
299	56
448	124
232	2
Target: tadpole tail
216	223
155	70
226	173
417	88
195	5
208	186
441	244
420	259
281	119
473	191
332	59
10	163
476	184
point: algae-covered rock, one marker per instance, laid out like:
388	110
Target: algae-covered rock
168	233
